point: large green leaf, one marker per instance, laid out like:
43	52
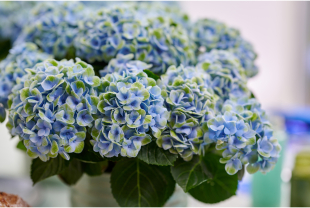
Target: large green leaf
152	154
137	184
41	170
95	169
189	174
220	186
72	173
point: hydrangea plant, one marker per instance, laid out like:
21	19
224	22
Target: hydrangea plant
164	102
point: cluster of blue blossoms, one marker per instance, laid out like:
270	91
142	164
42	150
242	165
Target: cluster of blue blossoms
230	119
210	34
190	102
53	26
52	106
130	106
12	68
117	30
201	98
244	135
227	75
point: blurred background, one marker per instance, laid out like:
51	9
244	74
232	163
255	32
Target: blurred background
280	34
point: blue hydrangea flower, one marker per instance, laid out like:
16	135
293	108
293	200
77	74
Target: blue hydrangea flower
118	30
189	103
53	26
13	17
227	75
210	34
52	106
13	67
124	63
243	133
129	107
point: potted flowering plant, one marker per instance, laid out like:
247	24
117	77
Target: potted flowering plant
137	91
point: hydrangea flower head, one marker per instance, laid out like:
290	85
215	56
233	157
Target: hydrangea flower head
13	67
189	103
210	34
51	108
53	27
117	30
227	75
130	105
244	135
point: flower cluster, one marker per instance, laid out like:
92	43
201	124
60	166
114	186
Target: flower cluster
210	34
52	106
53	26
244	135
123	64
13	17
190	104
12	68
129	106
227	75
118	30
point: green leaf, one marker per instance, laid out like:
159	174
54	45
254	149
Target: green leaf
41	170
20	145
137	184
153	155
220	186
95	169
189	174
71	174
151	74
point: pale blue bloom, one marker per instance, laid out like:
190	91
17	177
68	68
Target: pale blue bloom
227	75
53	26
119	30
242	132
128	108
209	34
50	108
188	100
